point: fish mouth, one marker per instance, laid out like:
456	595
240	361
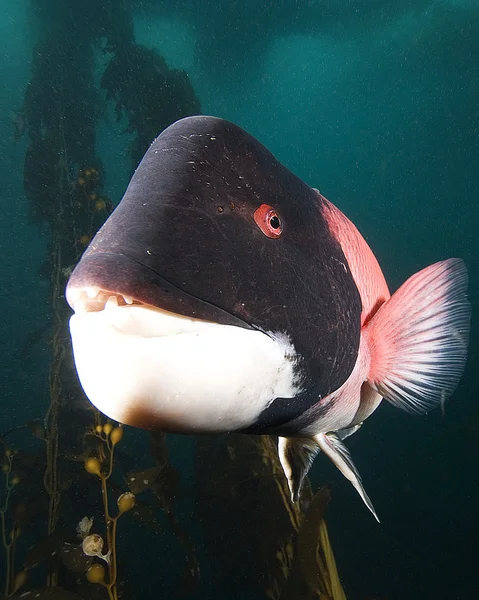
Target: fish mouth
130	317
93	299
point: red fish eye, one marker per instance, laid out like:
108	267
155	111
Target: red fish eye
269	221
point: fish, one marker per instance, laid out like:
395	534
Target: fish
224	294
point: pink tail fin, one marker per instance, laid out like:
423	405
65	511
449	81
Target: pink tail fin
419	338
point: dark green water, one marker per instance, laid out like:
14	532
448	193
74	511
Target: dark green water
378	107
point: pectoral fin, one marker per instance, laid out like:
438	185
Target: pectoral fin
296	456
332	446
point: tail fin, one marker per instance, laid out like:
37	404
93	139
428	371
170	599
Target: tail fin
419	338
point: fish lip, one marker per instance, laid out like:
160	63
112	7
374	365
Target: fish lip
116	274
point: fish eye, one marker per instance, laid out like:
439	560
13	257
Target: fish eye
269	221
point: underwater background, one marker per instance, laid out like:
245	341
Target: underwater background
377	105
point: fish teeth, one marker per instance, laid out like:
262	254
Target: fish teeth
92	292
128	299
111	303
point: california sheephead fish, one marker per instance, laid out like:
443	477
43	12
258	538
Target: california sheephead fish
225	295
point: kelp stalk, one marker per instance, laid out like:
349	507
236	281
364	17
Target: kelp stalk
93	545
7	469
9	539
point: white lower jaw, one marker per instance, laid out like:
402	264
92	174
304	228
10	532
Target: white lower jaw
152	368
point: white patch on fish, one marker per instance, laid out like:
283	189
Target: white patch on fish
186	373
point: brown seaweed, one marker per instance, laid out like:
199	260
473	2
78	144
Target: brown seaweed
149	94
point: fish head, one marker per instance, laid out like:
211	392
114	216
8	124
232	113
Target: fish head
215	297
